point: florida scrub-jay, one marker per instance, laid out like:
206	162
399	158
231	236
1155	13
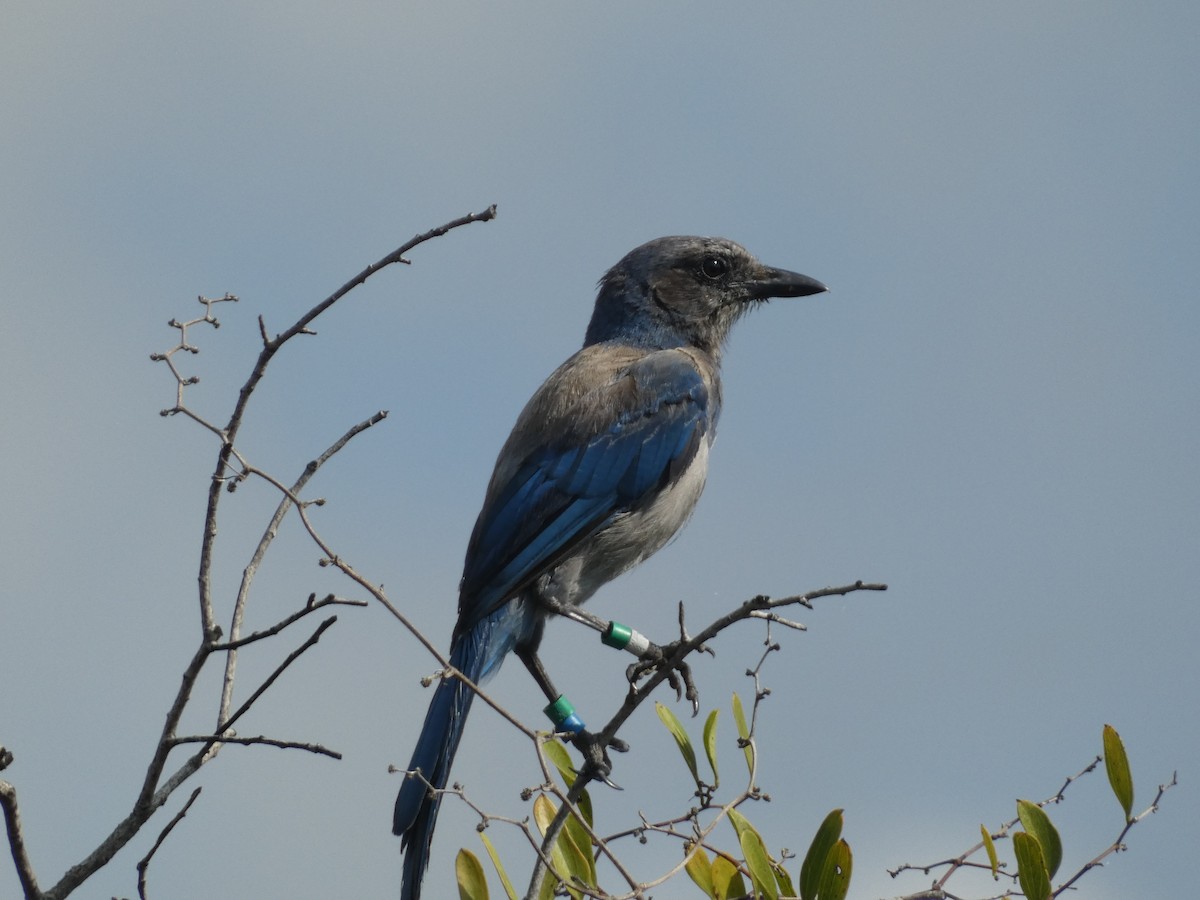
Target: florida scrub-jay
603	466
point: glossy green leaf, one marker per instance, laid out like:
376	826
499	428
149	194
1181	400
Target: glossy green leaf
743	730
710	745
509	890
818	855
1117	764
990	846
786	887
579	864
699	869
835	880
681	738
557	754
565	862
1036	822
468	872
543	813
758	861
1031	867
549	885
727	879
582	843
585	806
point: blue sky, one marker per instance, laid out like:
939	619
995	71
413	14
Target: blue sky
994	410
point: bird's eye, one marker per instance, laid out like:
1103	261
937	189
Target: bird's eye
713	267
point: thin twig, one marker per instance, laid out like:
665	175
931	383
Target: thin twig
260	551
377	592
144	863
679	652
1000	833
260	739
279	670
1119	843
310	607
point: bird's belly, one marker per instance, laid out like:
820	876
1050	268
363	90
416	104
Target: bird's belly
635	535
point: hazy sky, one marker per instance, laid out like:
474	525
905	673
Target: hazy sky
995	410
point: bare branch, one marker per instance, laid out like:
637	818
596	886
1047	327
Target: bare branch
16	839
310	607
279	670
676	653
167	356
260	739
144	864
376	591
174	714
699	835
1119	844
270	348
963	860
155	789
260	551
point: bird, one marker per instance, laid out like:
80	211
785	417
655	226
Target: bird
604	465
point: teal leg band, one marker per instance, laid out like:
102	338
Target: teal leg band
562	714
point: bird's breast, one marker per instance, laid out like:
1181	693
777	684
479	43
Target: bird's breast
641	532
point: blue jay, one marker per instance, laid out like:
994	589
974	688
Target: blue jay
603	467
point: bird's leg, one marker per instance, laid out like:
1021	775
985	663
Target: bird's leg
595	750
572	612
656	657
529	657
651	656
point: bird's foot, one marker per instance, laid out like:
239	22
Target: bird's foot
678	672
596	764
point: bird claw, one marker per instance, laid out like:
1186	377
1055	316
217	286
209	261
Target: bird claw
596	764
678	674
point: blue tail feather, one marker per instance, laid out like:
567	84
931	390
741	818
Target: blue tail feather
477	654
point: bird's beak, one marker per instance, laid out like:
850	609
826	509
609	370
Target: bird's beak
768	282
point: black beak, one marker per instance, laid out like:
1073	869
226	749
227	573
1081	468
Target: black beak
768	282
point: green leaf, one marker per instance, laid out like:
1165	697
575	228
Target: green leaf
739	718
818	855
710	745
727	880
585	806
784	880
557	754
468	871
581	841
835	880
990	846
1031	867
1037	823
758	861
509	890
549	885
565	862
681	738
1117	764
699	869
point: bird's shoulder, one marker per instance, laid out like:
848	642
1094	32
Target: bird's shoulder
604	385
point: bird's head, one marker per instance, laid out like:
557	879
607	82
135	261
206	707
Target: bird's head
686	291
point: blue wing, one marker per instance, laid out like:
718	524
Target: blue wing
580	470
